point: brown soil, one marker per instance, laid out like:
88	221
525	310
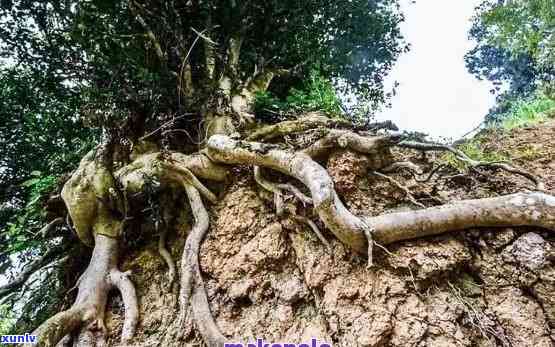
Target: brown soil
271	277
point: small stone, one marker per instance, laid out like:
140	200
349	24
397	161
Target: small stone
529	250
240	289
292	290
283	313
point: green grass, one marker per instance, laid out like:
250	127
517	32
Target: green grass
474	150
522	112
526	112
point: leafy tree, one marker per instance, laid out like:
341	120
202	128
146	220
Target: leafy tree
514	44
167	90
41	138
78	74
522	27
158	58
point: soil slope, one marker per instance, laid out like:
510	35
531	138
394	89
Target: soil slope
271	277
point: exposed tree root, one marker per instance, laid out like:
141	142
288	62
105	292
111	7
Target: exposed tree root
93	204
289	127
349	140
534	209
88	310
345	226
421	146
122	282
276	189
520	209
315	229
402	187
415	170
165	254
192	285
410	166
193	180
272	188
305	200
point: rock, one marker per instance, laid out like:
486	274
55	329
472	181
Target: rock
410	323
529	251
373	330
283	313
292	290
240	289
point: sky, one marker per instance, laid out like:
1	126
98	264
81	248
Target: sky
437	95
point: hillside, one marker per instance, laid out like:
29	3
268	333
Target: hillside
270	277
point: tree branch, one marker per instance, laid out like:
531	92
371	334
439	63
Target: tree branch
150	34
47	258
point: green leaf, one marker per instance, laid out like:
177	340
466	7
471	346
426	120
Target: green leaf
30	182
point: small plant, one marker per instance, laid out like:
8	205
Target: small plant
528	152
17	231
316	94
7	320
474	150
526	111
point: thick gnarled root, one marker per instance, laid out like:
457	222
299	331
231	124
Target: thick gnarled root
360	233
294	126
122	282
192	295
87	313
520	209
347	227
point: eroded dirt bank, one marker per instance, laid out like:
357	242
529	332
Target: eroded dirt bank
270	276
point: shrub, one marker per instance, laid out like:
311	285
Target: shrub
316	94
526	111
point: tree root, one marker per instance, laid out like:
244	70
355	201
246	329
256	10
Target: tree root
395	167
305	200
461	156
520	209
534	209
402	187
193	180
192	285
289	127
336	138
272	188
360	233
413	169
315	229
87	312
165	254
342	223
276	189
122	282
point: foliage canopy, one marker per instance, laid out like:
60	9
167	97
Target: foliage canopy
515	49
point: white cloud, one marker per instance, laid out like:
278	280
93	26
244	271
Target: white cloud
436	94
